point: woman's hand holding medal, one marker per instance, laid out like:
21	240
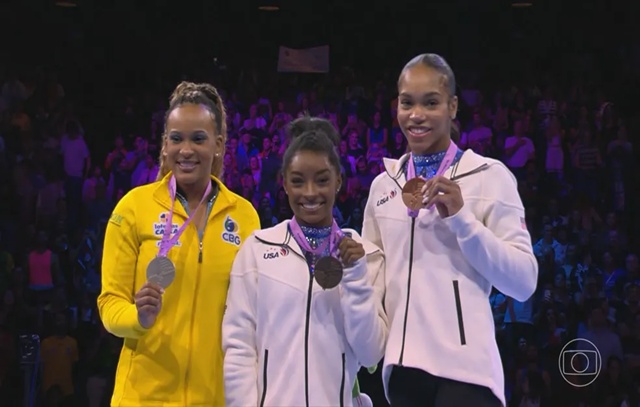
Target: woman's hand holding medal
350	251
328	270
439	191
444	194
148	303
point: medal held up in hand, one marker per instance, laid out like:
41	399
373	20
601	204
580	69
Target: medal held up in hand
412	193
161	271
327	270
412	190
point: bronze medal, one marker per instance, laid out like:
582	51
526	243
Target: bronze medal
161	271
412	193
328	272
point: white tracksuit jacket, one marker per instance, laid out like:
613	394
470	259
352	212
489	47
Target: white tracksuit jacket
455	261
288	342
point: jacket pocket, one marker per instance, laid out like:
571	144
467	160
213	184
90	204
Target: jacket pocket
456	294
264	377
342	380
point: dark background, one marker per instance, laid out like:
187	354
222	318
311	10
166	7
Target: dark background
103	48
113	36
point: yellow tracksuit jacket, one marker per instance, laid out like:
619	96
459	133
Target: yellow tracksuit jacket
178	361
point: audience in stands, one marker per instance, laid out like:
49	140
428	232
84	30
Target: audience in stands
570	150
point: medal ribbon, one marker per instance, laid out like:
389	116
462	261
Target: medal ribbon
449	156
168	242
333	241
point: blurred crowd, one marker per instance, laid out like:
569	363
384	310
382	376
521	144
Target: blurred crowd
568	145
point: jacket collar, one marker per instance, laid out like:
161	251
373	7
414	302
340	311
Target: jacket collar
394	166
279	235
225	198
470	163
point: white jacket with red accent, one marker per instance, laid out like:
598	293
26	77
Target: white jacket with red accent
439	272
288	342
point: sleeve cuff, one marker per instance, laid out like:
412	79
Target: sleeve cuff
357	272
130	318
462	222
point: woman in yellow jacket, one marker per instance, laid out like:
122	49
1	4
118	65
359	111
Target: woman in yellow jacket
168	251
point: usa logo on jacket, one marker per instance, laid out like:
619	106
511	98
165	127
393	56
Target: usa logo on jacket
230	232
386	197
275	252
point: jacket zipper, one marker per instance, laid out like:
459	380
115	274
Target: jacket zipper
264	377
456	294
306	339
344	361
406	307
195	300
201	235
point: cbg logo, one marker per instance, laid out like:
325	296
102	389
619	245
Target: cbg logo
584	361
230	233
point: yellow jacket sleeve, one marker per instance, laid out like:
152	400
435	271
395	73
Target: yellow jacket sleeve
119	261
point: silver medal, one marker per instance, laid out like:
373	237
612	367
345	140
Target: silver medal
161	271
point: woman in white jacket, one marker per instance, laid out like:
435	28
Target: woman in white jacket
464	233
293	335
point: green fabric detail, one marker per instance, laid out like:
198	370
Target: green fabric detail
356	389
356	386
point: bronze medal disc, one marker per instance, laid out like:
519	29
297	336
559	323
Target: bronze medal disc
161	271
412	193
328	272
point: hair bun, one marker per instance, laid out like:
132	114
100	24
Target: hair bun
306	126
181	90
212	93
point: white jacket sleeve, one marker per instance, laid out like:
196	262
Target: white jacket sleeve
361	296
370	228
239	332
498	246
